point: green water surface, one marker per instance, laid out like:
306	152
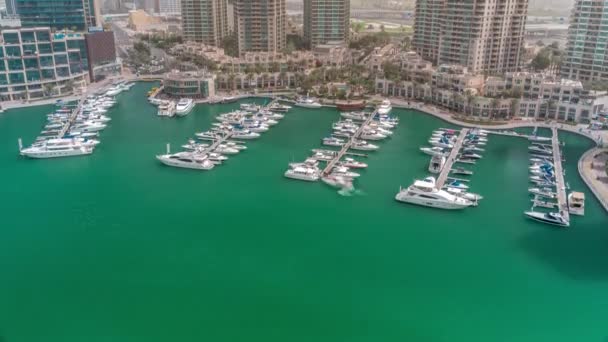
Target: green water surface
118	247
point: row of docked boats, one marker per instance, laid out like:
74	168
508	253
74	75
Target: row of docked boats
544	190
211	148
353	131
455	193
71	130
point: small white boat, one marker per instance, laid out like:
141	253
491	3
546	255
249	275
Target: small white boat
433	151
353	164
333	141
550	218
384	107
362	145
457	185
303	173
436	164
245	134
338	182
542	192
344	172
466	195
308	102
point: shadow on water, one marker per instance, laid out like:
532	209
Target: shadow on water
562	250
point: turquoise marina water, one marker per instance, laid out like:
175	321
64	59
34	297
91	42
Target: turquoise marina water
118	247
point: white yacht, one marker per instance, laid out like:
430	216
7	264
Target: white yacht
245	134
166	108
436	164
343	171
308	102
113	91
184	107
250	107
385	107
333	141
303	173
464	194
433	151
187	160
338	182
353	164
363	145
361	116
89	126
372	135
423	192
56	150
225	149
549	218
540	149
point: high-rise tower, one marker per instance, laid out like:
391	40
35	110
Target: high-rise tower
326	20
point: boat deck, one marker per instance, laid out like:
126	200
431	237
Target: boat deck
562	198
443	176
330	164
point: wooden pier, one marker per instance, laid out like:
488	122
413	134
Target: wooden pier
560	184
443	176
330	164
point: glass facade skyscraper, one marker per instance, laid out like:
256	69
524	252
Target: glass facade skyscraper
325	21
36	61
77	15
587	42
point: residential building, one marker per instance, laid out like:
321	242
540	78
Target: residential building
101	53
140	20
35	63
260	25
248	62
325	21
75	15
483	35
532	96
169	7
587	42
10	7
205	21
334	54
189	84
379	56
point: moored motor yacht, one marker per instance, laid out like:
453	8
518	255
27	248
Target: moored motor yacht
436	164
363	145
308	102
333	141
303	173
550	218
424	192
433	151
353	164
184	107
384	107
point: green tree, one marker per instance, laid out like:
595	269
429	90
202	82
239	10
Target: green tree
230	45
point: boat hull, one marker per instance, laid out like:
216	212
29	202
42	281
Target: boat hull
430	202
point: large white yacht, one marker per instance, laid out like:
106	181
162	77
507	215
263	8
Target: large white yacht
187	160
184	107
424	192
385	107
56	149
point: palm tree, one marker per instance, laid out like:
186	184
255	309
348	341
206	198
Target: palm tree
231	81
48	89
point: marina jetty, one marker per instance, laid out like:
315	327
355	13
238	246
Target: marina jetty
211	148
72	129
353	132
449	146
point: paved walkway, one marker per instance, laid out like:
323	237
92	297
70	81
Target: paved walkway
593	176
